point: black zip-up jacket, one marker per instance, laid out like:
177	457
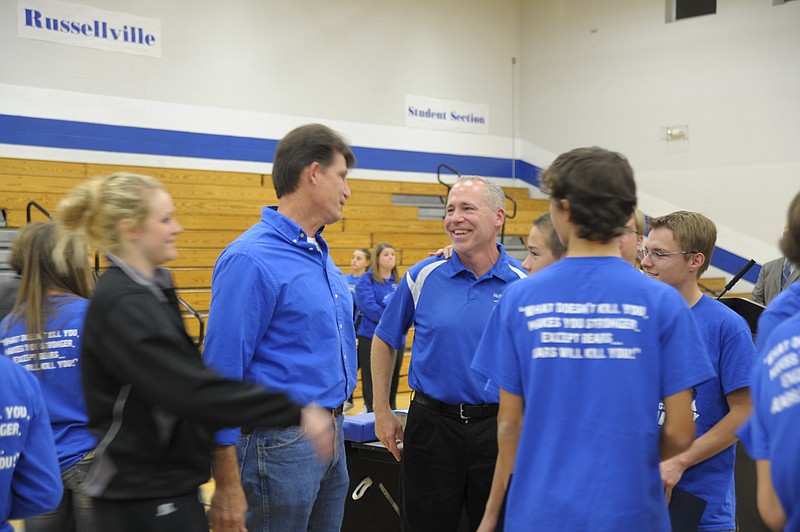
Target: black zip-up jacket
152	403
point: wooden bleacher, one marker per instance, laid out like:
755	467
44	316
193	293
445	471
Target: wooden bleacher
215	207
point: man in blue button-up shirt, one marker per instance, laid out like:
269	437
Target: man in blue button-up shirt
450	441
282	316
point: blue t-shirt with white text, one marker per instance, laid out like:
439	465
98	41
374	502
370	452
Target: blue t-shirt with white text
58	371
773	431
30	480
592	347
784	306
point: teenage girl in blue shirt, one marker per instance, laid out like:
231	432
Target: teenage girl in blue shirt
52	304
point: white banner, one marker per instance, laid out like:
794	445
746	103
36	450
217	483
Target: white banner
77	25
433	113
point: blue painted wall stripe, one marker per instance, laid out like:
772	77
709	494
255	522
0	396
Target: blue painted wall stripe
733	264
52	133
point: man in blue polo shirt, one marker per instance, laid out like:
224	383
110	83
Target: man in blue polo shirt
282	317
450	441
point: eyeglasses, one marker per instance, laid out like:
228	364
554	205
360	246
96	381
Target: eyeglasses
657	256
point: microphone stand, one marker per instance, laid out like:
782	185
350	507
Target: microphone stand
738	276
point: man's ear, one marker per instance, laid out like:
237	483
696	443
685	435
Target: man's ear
500	217
563	205
311	172
696	261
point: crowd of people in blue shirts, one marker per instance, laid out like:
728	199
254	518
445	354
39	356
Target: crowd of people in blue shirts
595	395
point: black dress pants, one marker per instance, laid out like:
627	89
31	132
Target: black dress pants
448	464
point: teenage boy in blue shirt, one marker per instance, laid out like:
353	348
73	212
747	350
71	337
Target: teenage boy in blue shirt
679	249
583	352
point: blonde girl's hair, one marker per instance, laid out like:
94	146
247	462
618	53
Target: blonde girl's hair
96	207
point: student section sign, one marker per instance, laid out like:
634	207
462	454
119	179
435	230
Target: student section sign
78	25
433	113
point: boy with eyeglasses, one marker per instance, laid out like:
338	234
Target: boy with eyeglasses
678	251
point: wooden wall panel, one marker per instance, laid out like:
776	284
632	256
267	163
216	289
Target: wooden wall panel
195	258
215	207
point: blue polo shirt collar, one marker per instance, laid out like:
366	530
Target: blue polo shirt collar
288	228
501	269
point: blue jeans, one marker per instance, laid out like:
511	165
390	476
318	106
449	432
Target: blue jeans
286	486
74	512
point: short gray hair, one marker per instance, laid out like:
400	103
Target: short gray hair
492	193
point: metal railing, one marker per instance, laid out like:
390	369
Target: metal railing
202	331
30	206
439	174
183	303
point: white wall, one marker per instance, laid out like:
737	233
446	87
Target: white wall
346	60
610	73
613	73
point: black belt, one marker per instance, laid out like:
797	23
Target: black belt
462	411
334	412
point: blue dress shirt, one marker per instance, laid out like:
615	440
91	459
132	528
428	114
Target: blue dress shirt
281	316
